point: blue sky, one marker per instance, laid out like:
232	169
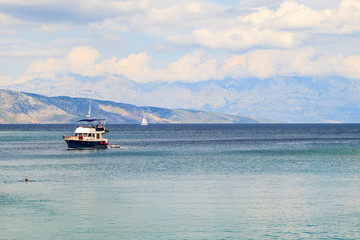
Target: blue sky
155	42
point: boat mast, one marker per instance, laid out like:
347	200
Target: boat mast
89	114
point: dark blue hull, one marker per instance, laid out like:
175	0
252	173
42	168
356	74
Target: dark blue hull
86	144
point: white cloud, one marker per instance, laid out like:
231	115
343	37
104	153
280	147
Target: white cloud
71	11
193	7
166	14
351	66
190	68
259	42
292	16
5	80
167	19
202	23
237	38
198	66
290	25
6	20
133	67
175	14
304	63
20	50
81	61
350	3
193	67
25	2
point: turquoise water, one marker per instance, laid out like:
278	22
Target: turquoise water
182	182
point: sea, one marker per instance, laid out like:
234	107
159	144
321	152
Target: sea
184	181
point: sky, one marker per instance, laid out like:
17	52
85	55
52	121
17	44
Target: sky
53	46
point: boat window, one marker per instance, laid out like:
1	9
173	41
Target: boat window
85	134
98	135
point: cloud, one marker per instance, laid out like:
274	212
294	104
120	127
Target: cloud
292	16
198	66
12	48
175	13
80	61
190	68
193	67
351	66
133	67
80	11
289	25
8	20
166	14
289	15
160	19
192	24
238	39
215	41
304	62
193	7
5	80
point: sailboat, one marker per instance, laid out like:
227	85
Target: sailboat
144	122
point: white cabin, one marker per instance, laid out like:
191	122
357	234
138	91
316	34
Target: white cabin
90	134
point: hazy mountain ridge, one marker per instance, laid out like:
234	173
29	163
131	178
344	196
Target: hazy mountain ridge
286	99
20	107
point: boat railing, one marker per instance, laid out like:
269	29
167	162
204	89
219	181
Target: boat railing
71	138
80	138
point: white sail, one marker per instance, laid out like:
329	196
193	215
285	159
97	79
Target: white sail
144	122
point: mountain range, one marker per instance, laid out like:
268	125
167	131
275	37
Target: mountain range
283	99
21	107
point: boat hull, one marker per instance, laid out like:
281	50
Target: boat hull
86	144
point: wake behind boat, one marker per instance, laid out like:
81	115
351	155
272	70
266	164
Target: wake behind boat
88	134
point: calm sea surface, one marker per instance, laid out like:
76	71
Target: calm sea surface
182	182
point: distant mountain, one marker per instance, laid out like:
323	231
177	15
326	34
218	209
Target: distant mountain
286	99
19	107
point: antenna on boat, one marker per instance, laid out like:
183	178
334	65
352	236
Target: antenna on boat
89	114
